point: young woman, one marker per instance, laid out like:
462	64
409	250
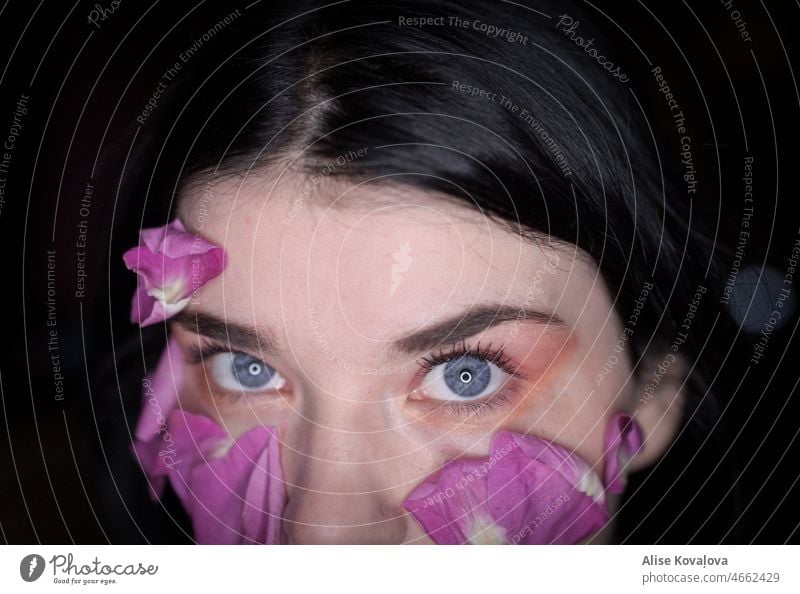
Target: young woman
433	282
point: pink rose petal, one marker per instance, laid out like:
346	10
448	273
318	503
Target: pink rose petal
153	444
623	440
538	492
448	505
233	491
171	265
528	491
161	398
233	498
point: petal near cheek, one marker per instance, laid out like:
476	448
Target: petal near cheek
237	498
450	506
535	492
623	440
528	491
161	391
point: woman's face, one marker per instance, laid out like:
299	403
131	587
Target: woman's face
351	311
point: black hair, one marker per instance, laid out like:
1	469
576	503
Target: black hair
507	114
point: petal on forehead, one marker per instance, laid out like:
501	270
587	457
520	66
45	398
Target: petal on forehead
153	237
171	265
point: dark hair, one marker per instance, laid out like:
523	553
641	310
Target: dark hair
524	125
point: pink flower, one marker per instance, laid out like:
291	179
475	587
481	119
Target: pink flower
172	264
529	491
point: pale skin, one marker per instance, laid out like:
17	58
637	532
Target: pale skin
334	280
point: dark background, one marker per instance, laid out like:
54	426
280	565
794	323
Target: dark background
66	474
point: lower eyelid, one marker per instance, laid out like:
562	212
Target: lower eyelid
506	396
221	394
471	409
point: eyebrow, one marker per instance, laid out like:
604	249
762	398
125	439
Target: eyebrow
469	323
450	330
235	335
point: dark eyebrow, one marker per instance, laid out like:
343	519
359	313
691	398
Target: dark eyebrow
448	331
230	333
469	323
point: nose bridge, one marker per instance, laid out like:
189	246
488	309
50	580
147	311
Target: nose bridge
333	446
341	473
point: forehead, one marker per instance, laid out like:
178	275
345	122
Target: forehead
372	258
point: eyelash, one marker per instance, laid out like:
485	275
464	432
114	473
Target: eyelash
461	349
198	354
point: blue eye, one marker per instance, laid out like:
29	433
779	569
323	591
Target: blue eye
241	372
467	377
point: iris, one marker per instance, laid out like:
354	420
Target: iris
467	376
